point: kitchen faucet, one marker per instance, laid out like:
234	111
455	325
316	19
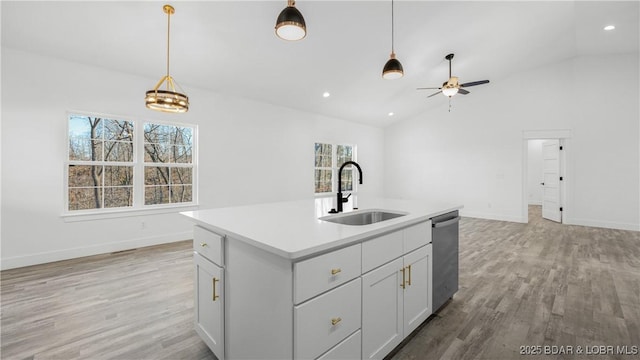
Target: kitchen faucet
340	199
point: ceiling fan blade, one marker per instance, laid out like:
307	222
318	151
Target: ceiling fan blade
432	88
463	91
474	83
434	94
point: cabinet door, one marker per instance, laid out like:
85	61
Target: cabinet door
209	304
417	291
382	310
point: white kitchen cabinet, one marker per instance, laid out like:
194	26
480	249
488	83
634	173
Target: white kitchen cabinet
208	244
381	249
417	290
382	327
324	321
209	303
396	298
349	349
321	273
358	301
416	236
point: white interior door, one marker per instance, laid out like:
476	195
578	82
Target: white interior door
551	176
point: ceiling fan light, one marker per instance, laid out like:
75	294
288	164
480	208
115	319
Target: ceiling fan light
449	91
290	24
392	69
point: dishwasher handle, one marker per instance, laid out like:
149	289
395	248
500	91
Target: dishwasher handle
446	223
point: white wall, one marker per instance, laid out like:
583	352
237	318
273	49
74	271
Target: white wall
474	154
534	173
249	152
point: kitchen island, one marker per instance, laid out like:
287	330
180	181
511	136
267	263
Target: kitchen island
279	281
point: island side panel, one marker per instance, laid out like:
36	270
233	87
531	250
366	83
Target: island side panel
259	303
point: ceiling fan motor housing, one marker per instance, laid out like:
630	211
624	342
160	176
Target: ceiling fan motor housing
452	83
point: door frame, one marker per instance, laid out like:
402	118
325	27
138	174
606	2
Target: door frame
564	136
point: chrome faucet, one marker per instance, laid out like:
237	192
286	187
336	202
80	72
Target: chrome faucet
340	199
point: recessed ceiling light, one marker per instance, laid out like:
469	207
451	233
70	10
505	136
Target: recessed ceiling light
391	114
609	27
326	94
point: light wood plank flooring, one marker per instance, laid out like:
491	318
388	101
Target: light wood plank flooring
520	285
534	284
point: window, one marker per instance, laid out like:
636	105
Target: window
328	159
104	169
168	164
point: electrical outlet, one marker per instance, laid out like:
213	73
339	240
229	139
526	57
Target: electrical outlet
143	225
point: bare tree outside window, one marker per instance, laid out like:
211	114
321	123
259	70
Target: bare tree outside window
104	172
344	153
323	165
168	171
100	169
328	159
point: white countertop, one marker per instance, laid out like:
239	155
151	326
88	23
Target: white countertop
292	229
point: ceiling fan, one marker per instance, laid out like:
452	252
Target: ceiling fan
451	86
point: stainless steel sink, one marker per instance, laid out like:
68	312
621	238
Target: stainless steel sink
362	217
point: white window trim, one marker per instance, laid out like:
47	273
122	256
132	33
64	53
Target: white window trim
334	168
138	207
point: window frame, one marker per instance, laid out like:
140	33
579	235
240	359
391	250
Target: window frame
138	206
334	169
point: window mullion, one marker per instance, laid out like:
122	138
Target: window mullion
334	168
138	168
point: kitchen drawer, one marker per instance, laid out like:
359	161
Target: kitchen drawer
321	273
323	322
208	244
416	236
349	349
381	250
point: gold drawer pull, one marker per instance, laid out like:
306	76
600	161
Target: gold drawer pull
204	244
335	271
335	321
215	296
409	282
403	278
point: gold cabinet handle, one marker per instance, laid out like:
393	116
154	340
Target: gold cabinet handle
335	321
335	271
203	244
215	296
403	278
409	281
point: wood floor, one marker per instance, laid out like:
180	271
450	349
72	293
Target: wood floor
521	285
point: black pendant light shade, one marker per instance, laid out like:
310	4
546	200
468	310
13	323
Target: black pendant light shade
393	68
290	24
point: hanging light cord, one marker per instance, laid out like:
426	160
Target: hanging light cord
392	28
168	37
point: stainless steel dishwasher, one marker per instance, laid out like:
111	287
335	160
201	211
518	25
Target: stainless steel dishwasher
444	233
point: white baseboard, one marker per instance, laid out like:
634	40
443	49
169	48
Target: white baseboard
533	202
566	221
602	224
66	254
491	216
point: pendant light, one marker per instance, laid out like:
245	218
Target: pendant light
392	69
168	100
290	24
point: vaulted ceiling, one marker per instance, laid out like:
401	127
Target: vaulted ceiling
230	46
